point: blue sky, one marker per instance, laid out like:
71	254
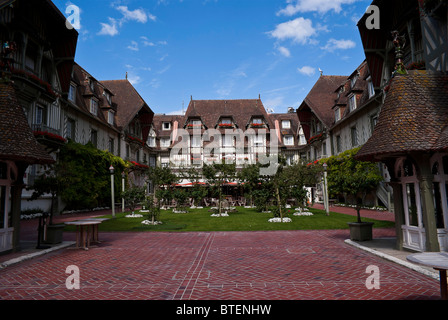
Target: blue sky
218	49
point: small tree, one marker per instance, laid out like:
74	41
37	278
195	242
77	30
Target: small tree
355	178
250	177
133	197
218	174
152	205
163	179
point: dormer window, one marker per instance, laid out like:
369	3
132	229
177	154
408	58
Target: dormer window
353	81
352	102
288	140
337	114
94	107
111	117
225	123
286	124
166	126
257	122
108	97
195	124
370	87
92	85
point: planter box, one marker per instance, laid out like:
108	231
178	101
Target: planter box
361	231
54	234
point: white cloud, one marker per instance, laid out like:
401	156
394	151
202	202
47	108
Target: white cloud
133	78
307	70
138	15
109	29
284	51
321	6
133	46
342	44
300	30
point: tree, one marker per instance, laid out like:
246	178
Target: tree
218	174
133	196
249	176
352	177
198	191
163	179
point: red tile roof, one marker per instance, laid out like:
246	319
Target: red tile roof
414	117
17	141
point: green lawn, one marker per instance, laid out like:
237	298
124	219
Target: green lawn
243	220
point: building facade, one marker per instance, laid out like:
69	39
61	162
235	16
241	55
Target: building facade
411	135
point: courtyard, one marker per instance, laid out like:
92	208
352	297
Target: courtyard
216	266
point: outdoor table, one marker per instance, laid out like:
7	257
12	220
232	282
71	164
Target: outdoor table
95	237
83	233
436	260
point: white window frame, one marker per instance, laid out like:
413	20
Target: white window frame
166	128
286	124
165	142
111	117
337	114
94	107
352	102
288	140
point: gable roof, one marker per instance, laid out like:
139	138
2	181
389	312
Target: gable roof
321	99
241	111
17	141
128	100
414	117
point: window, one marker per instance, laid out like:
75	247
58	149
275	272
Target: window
92	85
94	107
128	151
166	126
111	145
227	141
94	138
258	121
352	102
337	114
71	127
196	122
370	87
302	139
108	97
353	81
152	141
258	140
373	122
338	144
288	140
286	124
111	117
195	142
226	121
165	142
354	136
72	93
40	116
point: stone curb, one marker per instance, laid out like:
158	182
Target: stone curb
394	259
36	254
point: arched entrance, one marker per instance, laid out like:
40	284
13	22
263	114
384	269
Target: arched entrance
8	174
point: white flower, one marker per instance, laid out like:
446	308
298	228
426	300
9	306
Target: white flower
134	215
148	222
280	220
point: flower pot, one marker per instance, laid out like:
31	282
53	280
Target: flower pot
361	231
54	234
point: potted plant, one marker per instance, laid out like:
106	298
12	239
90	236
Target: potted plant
355	178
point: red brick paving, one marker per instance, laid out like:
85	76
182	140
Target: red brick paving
284	265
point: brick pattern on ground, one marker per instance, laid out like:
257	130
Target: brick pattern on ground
275	265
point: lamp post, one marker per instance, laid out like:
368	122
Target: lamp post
112	186
326	202
123	175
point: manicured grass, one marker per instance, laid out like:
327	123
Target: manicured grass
243	220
